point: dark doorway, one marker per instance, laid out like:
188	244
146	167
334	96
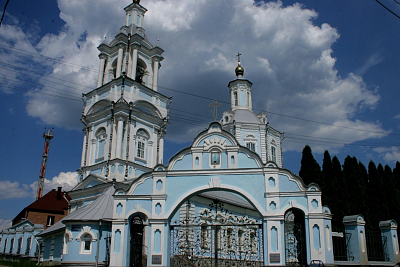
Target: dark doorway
136	242
295	241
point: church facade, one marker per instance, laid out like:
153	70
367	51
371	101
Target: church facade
225	200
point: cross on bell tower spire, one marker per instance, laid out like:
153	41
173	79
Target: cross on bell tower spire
239	69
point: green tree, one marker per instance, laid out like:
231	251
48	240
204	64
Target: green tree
355	185
310	170
340	203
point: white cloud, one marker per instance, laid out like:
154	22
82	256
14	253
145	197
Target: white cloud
286	56
397	116
389	154
10	190
369	63
4	224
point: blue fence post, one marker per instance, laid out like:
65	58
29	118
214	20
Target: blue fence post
355	225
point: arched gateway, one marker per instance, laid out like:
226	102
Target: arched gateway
217	204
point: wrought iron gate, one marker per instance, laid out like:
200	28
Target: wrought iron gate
295	247
136	242
377	246
216	239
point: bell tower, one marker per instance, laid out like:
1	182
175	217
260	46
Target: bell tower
125	118
251	130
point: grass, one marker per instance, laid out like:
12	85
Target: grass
18	263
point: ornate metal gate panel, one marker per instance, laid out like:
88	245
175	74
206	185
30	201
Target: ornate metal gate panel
136	242
295	248
216	239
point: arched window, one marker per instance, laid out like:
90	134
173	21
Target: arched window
236	98
28	245
114	69
86	244
141	71
100	143
142	138
273	151
251	142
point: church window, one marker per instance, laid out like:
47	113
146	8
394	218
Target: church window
138	20
226	119
273	154
248	99
50	220
140	71
11	246
114	69
236	98
250	142
251	146
140	150
28	245
142	139
100	142
86	244
19	245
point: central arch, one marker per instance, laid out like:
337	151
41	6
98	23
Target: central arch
216	227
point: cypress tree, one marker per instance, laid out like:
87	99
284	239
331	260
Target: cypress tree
340	205
310	170
375	191
330	186
355	185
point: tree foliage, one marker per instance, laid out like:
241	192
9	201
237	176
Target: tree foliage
351	188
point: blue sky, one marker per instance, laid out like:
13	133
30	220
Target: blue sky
325	72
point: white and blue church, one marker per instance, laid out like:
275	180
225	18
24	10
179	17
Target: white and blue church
224	201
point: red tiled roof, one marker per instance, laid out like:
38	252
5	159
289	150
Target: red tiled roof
52	202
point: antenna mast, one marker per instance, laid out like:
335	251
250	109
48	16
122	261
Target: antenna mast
47	138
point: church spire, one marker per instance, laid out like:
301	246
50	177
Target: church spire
240	89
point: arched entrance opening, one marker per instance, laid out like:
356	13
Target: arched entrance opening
295	240
216	228
138	253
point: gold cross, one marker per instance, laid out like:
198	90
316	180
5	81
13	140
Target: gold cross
215	105
238	56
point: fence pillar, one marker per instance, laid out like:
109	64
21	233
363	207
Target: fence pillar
355	225
389	229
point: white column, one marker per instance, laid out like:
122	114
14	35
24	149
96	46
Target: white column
250	100
119	137
134	61
156	65
101	70
113	141
120	59
161	150
84	148
93	152
132	139
150	160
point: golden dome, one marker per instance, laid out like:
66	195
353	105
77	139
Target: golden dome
239	70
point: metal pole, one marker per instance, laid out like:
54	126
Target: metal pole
216	246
